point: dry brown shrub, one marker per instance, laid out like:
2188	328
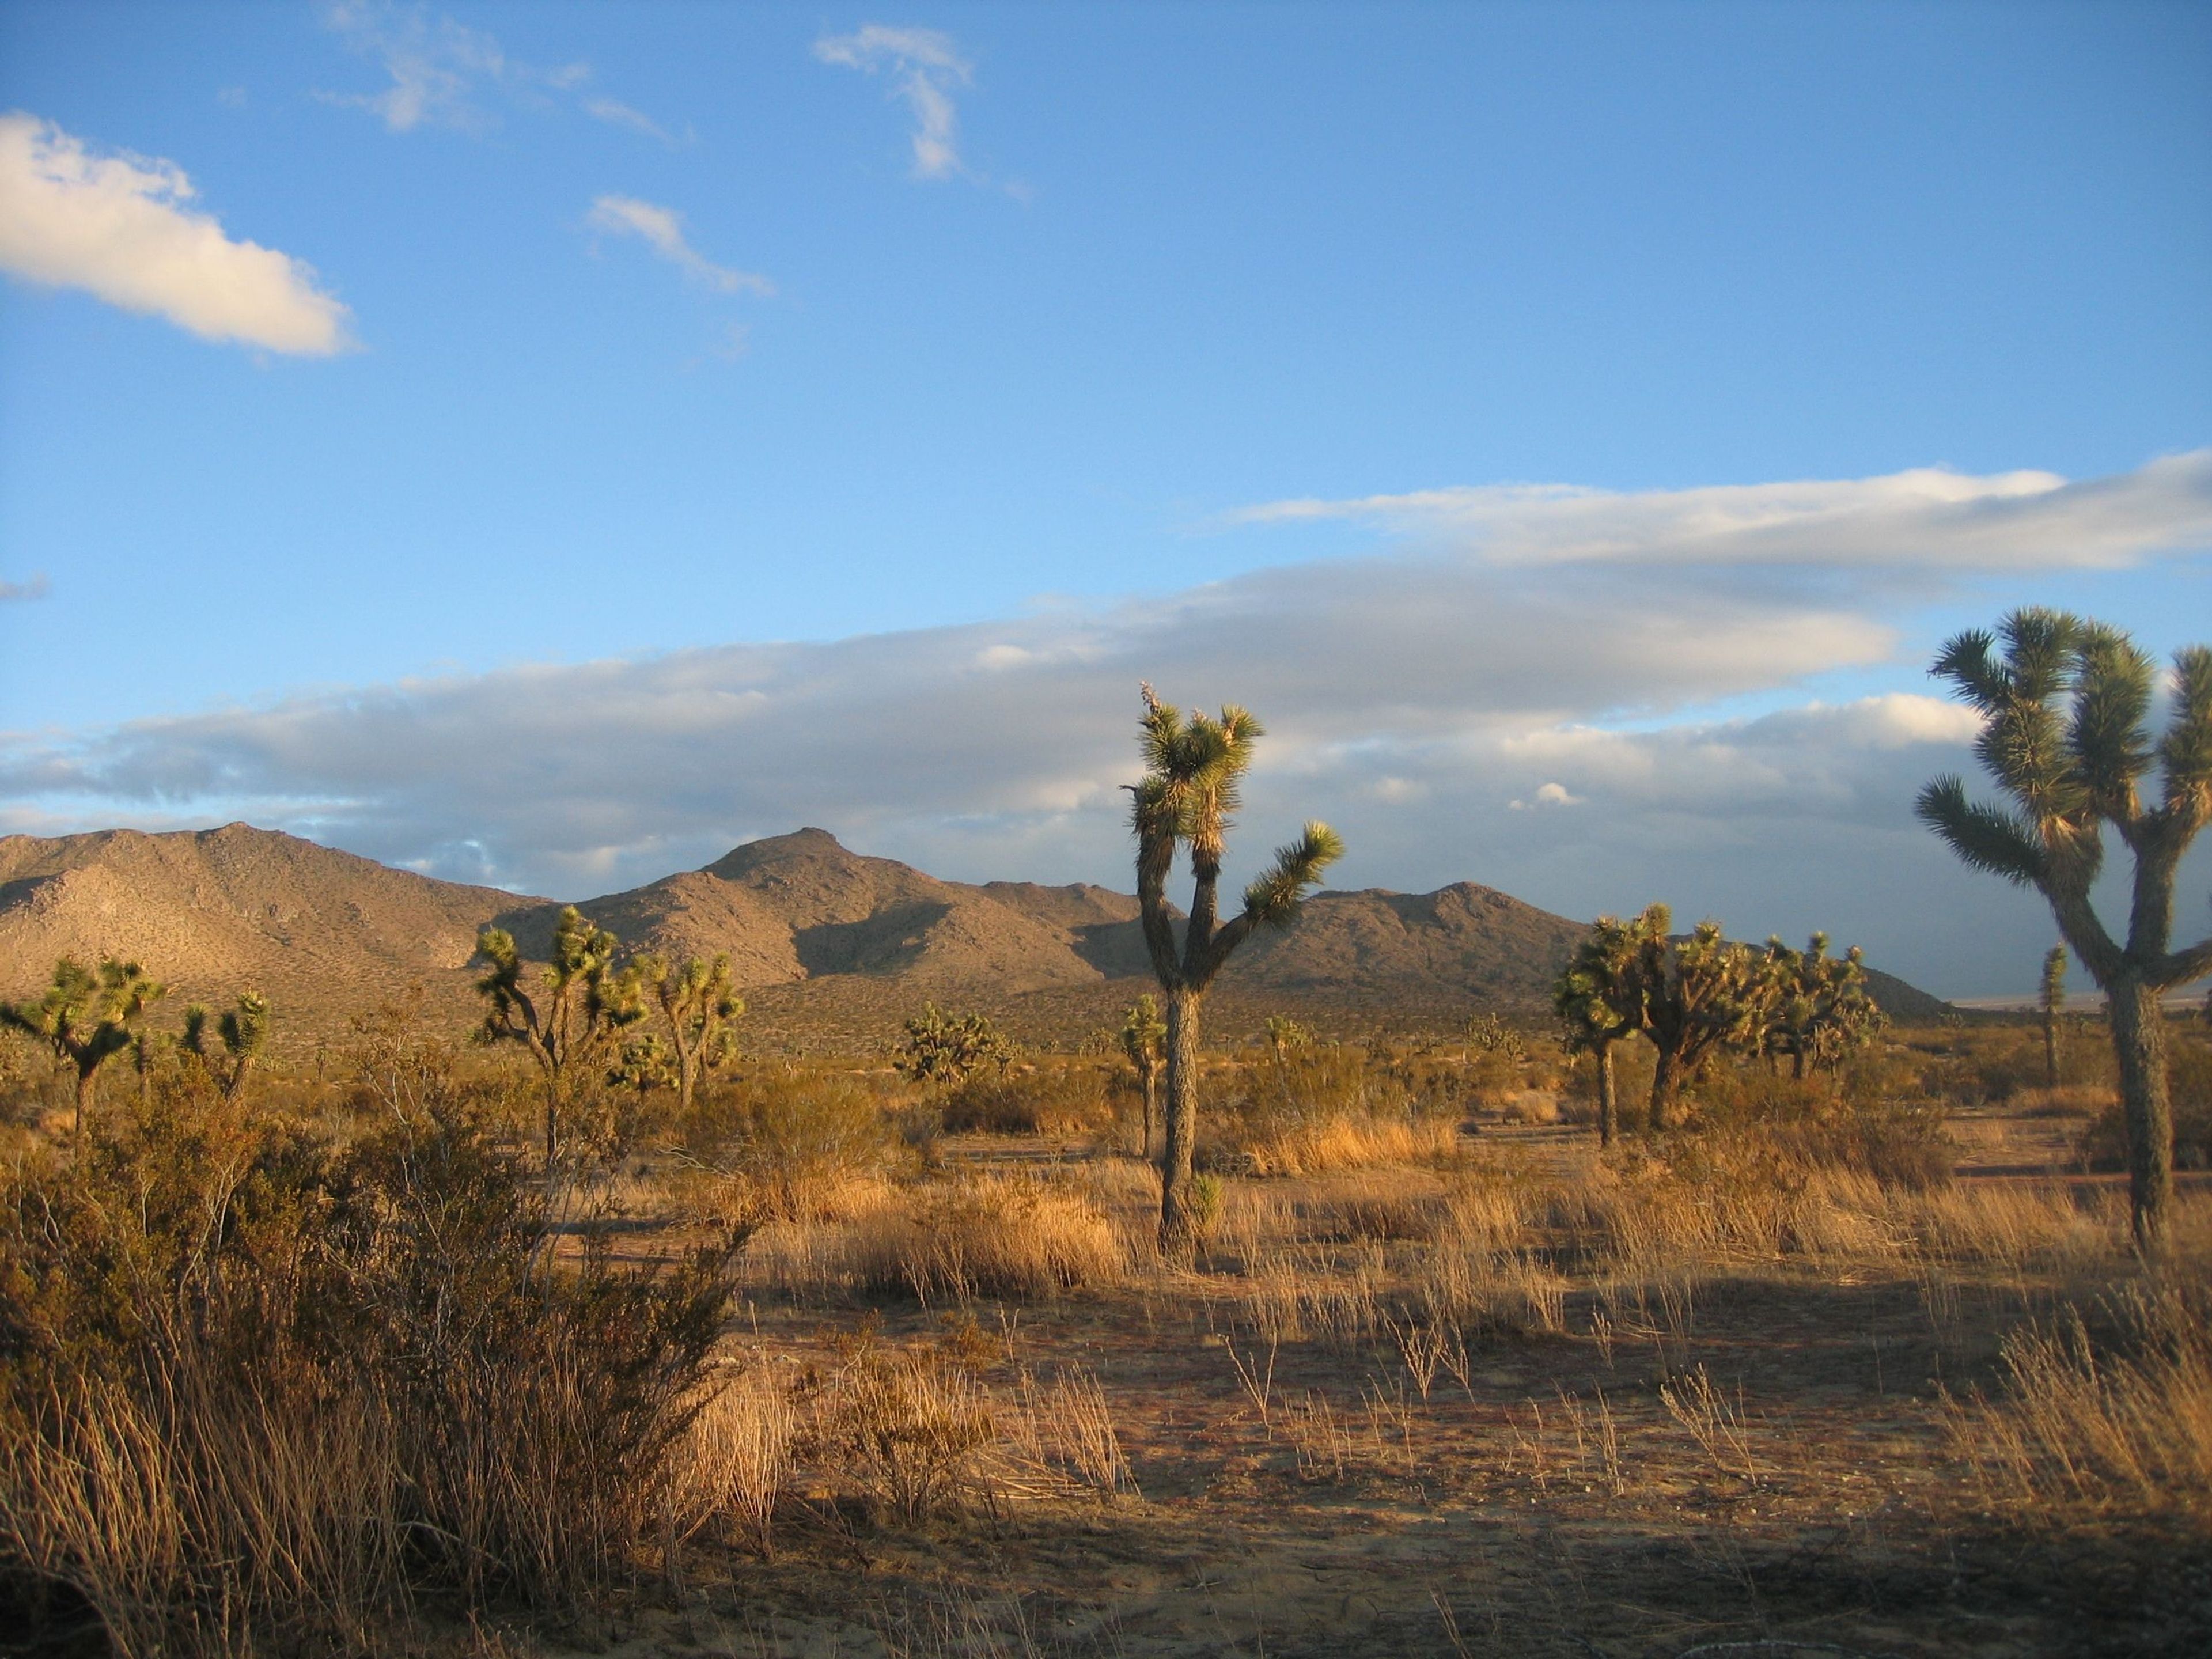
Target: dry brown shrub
995	1236
2120	1421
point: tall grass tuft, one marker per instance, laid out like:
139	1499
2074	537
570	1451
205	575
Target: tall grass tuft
256	1390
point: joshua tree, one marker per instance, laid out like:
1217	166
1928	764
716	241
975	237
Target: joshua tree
1284	1034
86	1018
1599	998
940	1047
1193	771
1140	1035
2066	703
1820	1008
2054	1005
582	1002
698	1000
242	1029
1699	997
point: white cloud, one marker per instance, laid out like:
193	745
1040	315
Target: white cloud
439	67
662	230
616	114
35	587
121	226
1411	699
925	67
1929	516
1549	794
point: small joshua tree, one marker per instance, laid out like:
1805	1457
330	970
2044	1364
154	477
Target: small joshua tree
698	1001
1820	1007
1700	997
1193	770
2053	1002
86	1018
940	1047
582	1001
2066	704
242	1031
1599	998
1141	1037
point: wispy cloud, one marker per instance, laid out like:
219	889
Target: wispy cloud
2006	520
616	113
662	230
1532	726
122	227
36	587
926	68
440	71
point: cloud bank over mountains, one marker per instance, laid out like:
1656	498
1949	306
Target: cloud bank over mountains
1513	696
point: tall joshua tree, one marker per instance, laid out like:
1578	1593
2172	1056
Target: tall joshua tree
2053	1002
2066	704
581	1000
1599	998
698	1000
1140	1034
1700	997
1193	770
86	1018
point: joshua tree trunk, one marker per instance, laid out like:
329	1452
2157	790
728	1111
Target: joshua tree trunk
2139	1045
1178	1226
1608	1108
2050	1048
1666	1084
85	1085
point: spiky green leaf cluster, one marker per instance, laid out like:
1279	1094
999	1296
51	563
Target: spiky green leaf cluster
2065	737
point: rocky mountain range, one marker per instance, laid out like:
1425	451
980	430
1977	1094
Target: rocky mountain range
819	936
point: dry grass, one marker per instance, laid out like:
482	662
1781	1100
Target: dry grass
2117	1420
945	1241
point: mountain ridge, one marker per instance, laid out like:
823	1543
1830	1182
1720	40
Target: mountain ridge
326	933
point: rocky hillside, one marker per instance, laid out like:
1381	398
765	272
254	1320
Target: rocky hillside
812	928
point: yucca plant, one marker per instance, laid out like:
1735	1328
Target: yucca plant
582	1001
2065	704
1193	771
698	1001
1820	1007
1140	1035
1599	998
1700	997
87	1017
242	1031
2053	1000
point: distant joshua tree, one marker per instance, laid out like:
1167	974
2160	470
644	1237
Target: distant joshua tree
86	1018
582	1002
2054	1007
1141	1037
1193	771
1820	1008
242	1031
698	1001
1700	997
1284	1034
1599	998
941	1048
2066	703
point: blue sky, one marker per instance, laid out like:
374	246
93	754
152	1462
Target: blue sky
712	383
